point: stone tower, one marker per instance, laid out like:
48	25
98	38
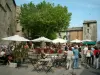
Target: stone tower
18	25
90	30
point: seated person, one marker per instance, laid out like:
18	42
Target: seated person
43	55
64	56
58	60
2	53
10	58
3	56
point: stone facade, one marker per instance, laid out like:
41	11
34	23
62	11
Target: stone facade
18	25
75	33
90	30
87	32
71	33
62	34
7	18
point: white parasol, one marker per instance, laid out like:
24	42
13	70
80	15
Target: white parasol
76	41
59	40
40	39
15	38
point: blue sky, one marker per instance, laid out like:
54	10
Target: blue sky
81	10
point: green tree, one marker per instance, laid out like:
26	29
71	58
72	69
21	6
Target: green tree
44	19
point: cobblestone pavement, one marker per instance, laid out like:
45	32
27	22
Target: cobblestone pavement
5	70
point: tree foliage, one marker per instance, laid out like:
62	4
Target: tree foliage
44	19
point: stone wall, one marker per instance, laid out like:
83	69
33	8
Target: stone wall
76	35
7	18
90	30
18	25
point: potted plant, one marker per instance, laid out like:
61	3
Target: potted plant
19	53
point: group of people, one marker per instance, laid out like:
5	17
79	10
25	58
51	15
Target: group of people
73	55
91	56
6	55
77	55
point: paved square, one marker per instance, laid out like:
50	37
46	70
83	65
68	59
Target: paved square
6	70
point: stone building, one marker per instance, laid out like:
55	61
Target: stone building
87	32
62	34
90	30
7	18
71	33
18	25
75	33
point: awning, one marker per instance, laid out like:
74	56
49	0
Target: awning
89	43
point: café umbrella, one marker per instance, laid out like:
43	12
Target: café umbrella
76	41
15	38
59	40
41	39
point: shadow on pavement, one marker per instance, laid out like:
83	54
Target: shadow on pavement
90	71
95	73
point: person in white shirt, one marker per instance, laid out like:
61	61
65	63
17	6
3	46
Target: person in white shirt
84	53
2	53
69	58
85	49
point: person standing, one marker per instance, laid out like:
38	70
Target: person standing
66	47
84	53
92	56
96	57
88	56
76	58
69	58
80	56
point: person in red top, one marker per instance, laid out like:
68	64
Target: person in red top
96	57
51	51
37	50
46	49
59	51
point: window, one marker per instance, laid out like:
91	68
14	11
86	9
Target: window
17	21
88	25
87	30
8	32
22	29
